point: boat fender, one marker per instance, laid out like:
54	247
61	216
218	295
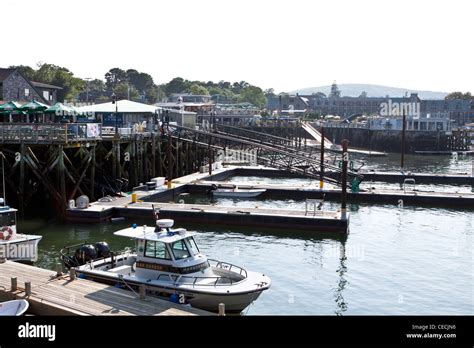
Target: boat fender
6	233
174	298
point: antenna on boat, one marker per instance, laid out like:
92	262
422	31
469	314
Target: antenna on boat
3	178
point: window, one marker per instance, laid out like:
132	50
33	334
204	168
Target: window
156	250
193	246
27	92
7	219
46	95
180	250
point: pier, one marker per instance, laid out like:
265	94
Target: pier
59	295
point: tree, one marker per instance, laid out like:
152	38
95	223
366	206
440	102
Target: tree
123	90
363	94
176	85
198	90
253	95
270	92
459	96
319	95
115	76
27	71
61	77
155	94
335	92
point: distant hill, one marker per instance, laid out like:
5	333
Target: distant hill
355	89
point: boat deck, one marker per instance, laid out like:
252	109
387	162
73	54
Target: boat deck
61	296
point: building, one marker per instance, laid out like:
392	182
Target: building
459	111
14	86
288	104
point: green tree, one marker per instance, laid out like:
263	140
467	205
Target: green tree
61	77
27	71
363	94
319	95
335	92
459	96
115	76
198	90
123	90
253	95
176	85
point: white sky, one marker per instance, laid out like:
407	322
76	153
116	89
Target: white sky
284	44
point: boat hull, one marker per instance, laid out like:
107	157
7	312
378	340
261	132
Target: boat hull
198	298
238	194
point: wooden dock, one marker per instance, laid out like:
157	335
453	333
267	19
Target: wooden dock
51	295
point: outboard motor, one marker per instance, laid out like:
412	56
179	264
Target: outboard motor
85	254
103	249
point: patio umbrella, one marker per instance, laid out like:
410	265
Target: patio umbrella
59	109
33	107
9	107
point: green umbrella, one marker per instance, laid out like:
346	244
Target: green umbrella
60	110
33	107
9	107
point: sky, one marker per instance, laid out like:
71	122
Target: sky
280	44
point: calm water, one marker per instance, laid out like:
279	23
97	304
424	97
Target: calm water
394	261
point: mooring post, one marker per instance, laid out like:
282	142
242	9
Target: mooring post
59	269
27	288
14	284
345	160
142	291
404	128
72	273
209	156
321	166
221	309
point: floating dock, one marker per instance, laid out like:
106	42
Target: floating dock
52	295
420	178
311	220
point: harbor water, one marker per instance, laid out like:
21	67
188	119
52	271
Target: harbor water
395	260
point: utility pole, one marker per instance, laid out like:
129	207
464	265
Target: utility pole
87	79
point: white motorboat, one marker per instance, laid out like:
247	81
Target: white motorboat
168	264
236	192
15	246
14	308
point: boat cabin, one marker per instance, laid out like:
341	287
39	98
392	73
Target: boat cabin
7	222
165	250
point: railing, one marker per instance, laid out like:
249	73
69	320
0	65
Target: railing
229	266
50	133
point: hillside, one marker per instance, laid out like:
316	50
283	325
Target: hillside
355	89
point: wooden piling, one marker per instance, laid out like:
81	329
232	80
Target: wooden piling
14	283
321	166
345	160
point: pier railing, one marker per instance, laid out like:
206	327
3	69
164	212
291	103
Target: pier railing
61	133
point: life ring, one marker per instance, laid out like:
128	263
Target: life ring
6	233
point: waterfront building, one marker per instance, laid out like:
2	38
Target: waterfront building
14	86
459	111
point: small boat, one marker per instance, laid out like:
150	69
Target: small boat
168	264
14	308
236	192
15	246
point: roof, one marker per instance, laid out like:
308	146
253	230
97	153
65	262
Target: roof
149	233
4	73
44	85
121	106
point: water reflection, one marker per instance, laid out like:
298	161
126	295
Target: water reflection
341	305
